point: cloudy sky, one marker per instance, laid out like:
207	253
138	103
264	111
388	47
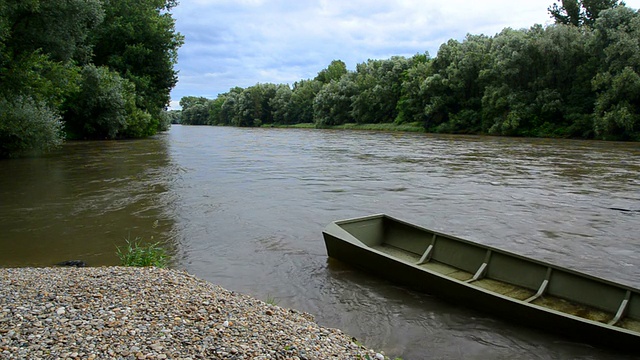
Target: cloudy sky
243	42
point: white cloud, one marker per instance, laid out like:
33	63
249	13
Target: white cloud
242	42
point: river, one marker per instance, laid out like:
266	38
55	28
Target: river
244	208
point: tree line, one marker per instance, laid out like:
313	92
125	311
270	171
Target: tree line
84	69
577	78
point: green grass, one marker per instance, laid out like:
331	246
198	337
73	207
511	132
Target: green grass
271	300
411	127
294	126
135	254
408	127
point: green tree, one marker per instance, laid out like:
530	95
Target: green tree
57	28
334	71
138	40
215	109
454	90
38	41
561	94
332	105
506	99
302	96
36	76
379	85
28	127
268	93
197	114
163	121
254	105
249	107
617	83
413	99
281	105
567	12
175	116
580	12
576	78
100	109
140	123
46	53
538	83
229	114
189	101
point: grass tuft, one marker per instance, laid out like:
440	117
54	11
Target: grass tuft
135	254
271	300
408	127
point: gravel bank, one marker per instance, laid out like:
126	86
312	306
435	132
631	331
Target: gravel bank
150	313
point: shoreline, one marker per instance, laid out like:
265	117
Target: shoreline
152	313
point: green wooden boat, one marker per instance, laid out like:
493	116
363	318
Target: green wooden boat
521	289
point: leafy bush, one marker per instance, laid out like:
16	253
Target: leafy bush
99	109
28	127
135	254
139	124
164	121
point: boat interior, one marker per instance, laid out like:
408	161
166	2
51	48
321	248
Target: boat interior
500	272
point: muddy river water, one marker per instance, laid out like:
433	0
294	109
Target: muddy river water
244	208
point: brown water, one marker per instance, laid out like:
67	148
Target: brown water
244	208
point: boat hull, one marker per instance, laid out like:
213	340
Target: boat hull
344	246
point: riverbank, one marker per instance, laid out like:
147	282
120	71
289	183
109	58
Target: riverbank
390	127
151	313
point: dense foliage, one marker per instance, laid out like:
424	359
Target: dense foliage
98	69
577	78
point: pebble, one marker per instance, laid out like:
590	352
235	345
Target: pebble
152	313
